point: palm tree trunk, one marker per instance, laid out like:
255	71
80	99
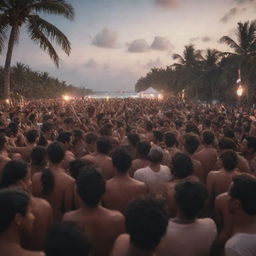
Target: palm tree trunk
7	66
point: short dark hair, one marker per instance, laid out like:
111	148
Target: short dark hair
46	127
75	167
208	137
229	160
103	145
227	143
121	160
67	239
243	188
143	149
149	125
146	222
191	143
190	197
90	137
251	142
192	128
55	152
12	202
133	139
170	139
32	135
158	135
78	133
13	172
64	137
2	141
90	186
181	166
155	155
38	155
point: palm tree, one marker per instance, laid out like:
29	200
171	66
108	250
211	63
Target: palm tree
15	13
244	54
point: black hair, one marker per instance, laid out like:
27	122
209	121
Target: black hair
181	166
158	135
191	143
170	139
208	137
149	126
146	222
38	156
77	133
2	141
55	152
143	149
46	127
207	123
229	160
190	197
155	155
192	128
243	188
12	202
133	139
229	133
90	137
121	160
64	137
32	135
227	143
75	167
90	186
103	145
13	172
251	142
67	239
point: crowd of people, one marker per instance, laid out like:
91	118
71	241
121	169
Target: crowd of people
127	177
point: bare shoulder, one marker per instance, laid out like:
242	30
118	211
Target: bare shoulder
69	216
36	176
121	245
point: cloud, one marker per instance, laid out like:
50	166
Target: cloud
106	39
206	39
161	43
92	64
243	1
138	45
231	13
194	39
167	3
157	63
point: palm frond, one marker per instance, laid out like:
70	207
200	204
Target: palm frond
57	7
51	32
37	36
231	43
3	29
178	57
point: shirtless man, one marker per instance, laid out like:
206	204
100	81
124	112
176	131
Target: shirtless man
141	161
190	147
16	218
242	197
146	222
218	182
17	175
101	158
185	231
122	189
32	138
155	174
4	158
208	154
78	145
248	148
38	159
54	184
102	226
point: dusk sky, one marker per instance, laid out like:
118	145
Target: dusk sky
115	42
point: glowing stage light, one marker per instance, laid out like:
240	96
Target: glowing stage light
240	91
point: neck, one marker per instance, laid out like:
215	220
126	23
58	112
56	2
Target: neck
122	175
155	167
10	236
55	166
182	219
245	224
133	251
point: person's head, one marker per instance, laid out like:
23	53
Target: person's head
65	139
103	145
229	133
157	136
90	138
249	145
229	160
90	186
148	126
3	141
67	239
55	153
38	156
207	123
170	139
191	143
155	155
76	166
121	160
226	143
181	166
77	136
242	195
208	138
133	139
143	149
190	198
47	128
32	136
146	222
16	173
15	211
192	128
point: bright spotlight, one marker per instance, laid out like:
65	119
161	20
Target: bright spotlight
66	97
